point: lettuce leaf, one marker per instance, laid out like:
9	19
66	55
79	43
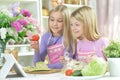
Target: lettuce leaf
40	66
96	67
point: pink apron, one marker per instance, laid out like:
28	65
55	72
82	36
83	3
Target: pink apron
54	52
84	55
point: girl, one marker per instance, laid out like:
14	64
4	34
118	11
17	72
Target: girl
89	41
57	40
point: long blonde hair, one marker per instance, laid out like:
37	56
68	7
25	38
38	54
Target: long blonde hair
87	15
67	34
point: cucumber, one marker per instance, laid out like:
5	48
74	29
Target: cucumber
76	73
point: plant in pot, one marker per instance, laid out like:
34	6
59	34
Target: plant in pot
112	52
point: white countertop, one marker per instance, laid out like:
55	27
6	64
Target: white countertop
56	76
53	76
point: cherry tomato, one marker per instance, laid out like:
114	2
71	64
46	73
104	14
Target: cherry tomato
69	72
35	37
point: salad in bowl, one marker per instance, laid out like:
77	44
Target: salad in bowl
79	70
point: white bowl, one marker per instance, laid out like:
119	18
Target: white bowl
82	77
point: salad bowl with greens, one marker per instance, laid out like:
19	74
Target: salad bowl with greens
95	69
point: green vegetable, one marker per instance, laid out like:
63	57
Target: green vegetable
113	50
42	66
76	73
96	67
39	66
78	65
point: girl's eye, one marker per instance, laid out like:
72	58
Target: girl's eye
60	20
51	19
72	26
77	24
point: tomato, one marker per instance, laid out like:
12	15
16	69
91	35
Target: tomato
69	72
35	37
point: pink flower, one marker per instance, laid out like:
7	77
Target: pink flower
23	22
32	20
17	26
25	13
29	34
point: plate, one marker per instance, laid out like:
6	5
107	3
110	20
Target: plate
82	77
43	71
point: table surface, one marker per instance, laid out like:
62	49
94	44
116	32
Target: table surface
56	76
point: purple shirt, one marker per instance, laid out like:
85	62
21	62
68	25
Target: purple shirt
47	40
98	46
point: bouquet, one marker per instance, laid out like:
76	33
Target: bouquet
15	23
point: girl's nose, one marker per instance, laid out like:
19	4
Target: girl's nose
55	23
73	27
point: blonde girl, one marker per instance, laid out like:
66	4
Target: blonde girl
89	41
57	40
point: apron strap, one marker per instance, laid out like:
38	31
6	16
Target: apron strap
51	38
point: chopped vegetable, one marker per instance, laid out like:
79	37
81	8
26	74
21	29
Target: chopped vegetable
76	73
39	66
69	72
96	67
75	65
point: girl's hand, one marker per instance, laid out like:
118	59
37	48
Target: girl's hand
35	45
91	57
61	58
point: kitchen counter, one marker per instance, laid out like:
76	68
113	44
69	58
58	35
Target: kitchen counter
56	76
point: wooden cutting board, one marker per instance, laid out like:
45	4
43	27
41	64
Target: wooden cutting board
43	71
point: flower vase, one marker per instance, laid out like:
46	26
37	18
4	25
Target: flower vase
2	49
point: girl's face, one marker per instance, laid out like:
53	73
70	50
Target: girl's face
56	23
77	27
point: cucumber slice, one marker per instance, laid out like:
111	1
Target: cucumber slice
76	73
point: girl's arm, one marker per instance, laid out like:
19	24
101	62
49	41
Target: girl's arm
41	51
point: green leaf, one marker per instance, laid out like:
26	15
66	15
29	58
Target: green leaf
22	34
96	67
113	50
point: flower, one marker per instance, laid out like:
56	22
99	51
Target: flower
15	23
25	12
